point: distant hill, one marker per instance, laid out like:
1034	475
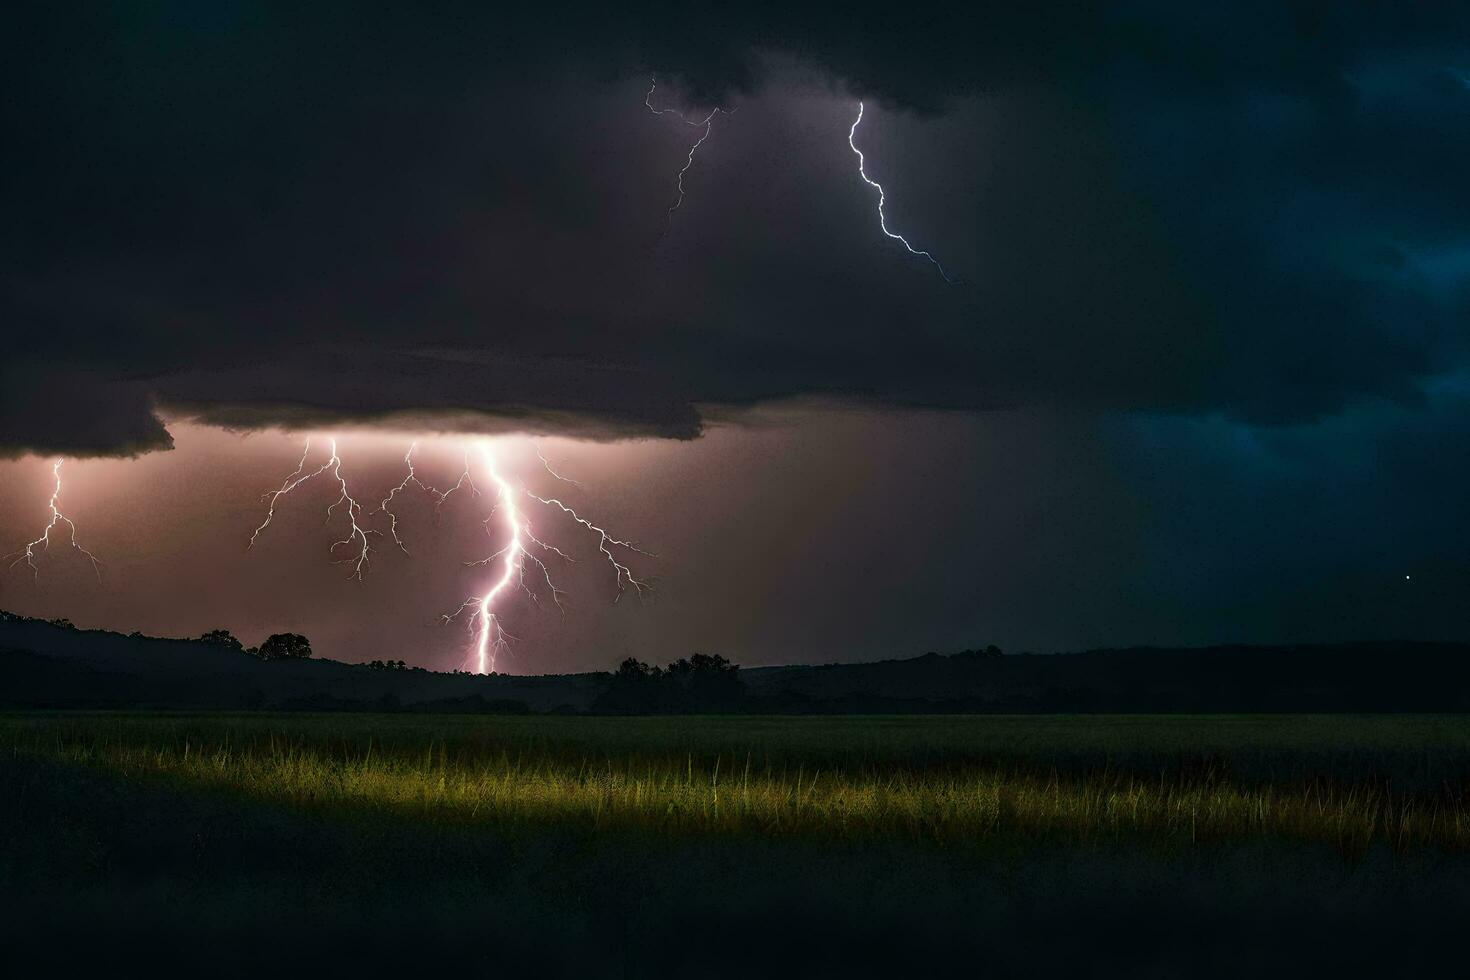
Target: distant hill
45	665
48	665
1347	677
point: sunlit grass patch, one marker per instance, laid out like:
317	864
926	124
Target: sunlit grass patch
984	780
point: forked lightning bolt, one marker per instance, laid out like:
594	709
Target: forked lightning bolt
357	535
882	218
410	480
28	553
605	543
465	482
298	477
521	562
488	635
707	124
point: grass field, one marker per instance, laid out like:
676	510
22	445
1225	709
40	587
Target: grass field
644	841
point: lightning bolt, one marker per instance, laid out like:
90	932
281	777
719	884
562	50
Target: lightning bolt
707	124
465	482
298	477
485	629
554	474
882	218
605	543
357	535
488	636
522	562
410	480
28	553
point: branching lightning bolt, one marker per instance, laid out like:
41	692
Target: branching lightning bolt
486	631
28	553
522	561
488	635
707	124
357	535
554	474
465	482
882	218
298	477
411	480
605	543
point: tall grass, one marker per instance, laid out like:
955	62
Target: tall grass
946	781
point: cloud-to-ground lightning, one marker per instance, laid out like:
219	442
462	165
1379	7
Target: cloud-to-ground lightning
707	124
521	561
488	634
28	553
357	536
489	638
883	218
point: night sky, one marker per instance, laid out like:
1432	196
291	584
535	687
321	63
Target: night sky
1204	376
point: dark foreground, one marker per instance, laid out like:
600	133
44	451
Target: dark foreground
1207	846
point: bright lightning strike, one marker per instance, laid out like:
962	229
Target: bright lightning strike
357	535
489	638
28	553
707	124
522	562
882	218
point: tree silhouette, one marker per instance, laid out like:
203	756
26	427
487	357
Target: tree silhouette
285	646
700	682
223	638
633	670
703	682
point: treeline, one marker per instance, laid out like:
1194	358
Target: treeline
702	682
277	646
52	664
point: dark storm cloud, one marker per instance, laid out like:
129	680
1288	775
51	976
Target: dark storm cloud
255	215
78	414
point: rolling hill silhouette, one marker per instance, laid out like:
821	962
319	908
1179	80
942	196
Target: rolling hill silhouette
52	665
